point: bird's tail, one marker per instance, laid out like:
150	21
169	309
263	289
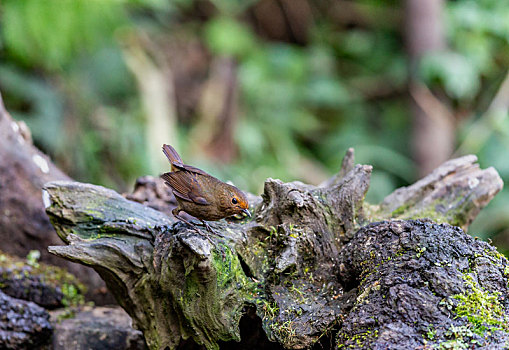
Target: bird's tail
172	156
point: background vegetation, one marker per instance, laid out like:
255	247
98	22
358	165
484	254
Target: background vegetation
255	89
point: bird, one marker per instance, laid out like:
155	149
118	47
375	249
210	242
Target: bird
200	194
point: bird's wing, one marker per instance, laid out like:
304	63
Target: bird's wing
185	186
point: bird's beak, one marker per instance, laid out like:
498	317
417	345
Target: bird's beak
245	211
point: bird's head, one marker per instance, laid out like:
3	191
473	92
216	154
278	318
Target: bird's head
235	201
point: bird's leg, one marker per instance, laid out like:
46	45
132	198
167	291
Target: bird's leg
207	226
221	249
176	212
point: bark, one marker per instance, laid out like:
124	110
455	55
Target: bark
286	278
420	285
24	226
453	193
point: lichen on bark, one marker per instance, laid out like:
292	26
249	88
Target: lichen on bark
423	285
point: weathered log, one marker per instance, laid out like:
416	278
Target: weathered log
291	264
453	193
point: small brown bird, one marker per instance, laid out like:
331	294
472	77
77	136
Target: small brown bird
200	194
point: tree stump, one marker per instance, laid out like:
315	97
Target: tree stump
305	270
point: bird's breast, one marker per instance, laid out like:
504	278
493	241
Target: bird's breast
208	212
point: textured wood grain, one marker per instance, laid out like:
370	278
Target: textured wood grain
285	266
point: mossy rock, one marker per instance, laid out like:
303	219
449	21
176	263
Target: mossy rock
48	286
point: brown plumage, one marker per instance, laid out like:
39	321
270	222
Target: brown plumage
200	194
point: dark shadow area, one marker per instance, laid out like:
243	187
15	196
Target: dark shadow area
326	342
245	267
189	344
252	336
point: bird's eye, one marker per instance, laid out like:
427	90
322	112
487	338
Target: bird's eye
234	200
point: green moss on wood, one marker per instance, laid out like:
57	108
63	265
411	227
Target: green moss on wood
360	340
213	310
482	308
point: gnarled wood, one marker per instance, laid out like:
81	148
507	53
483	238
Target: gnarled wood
453	193
287	262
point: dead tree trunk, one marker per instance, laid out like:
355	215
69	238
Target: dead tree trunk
301	265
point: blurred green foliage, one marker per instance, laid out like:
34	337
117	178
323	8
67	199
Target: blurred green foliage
64	71
50	33
479	34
